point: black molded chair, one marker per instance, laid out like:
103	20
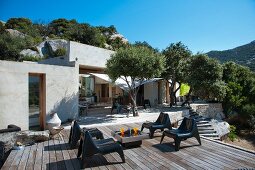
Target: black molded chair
161	123
76	131
91	148
187	129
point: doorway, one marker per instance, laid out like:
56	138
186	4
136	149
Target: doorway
37	101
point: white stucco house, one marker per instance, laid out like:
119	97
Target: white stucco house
60	83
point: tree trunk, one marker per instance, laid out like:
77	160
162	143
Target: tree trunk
172	94
188	98
134	107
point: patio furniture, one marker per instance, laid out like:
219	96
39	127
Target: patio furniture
10	128
161	123
129	138
76	132
91	148
187	129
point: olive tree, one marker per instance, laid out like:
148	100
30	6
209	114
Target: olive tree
204	75
133	65
176	56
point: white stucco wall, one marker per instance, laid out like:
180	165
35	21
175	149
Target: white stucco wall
61	91
88	55
151	92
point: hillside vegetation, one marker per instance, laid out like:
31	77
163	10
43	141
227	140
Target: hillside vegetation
18	34
244	55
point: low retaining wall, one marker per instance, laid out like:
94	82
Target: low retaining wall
209	110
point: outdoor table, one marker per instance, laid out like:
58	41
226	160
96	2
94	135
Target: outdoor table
129	138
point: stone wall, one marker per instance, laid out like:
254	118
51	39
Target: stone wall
62	85
209	110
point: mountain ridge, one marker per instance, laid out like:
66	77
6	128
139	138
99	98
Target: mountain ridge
243	55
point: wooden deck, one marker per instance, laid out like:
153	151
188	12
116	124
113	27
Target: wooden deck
56	154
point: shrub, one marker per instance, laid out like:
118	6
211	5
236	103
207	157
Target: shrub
30	58
232	134
60	52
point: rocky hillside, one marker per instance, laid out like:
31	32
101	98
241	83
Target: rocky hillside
21	39
244	55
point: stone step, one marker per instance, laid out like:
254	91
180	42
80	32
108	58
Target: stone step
210	135
205	128
207	131
214	138
202	122
204	125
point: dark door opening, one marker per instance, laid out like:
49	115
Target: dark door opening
37	106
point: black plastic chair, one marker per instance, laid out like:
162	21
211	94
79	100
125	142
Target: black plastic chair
187	129
91	148
161	123
76	131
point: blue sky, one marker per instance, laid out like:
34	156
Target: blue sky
202	25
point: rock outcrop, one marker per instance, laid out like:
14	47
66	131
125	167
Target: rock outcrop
29	52
10	139
115	36
15	33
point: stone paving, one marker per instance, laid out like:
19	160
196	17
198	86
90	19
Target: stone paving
149	114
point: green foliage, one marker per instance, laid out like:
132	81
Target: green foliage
10	46
184	90
1	27
60	52
30	58
204	75
248	113
176	57
18	23
232	134
145	44
240	94
242	55
138	63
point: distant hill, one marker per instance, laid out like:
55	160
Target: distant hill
244	55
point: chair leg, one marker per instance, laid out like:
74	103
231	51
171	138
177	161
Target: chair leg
120	152
152	133
142	128
70	136
198	138
80	149
84	162
177	143
162	137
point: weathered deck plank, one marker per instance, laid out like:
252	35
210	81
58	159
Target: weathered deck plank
56	154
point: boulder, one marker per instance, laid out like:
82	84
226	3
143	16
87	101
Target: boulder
123	39
29	52
221	127
49	47
28	137
56	44
15	33
25	137
9	140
